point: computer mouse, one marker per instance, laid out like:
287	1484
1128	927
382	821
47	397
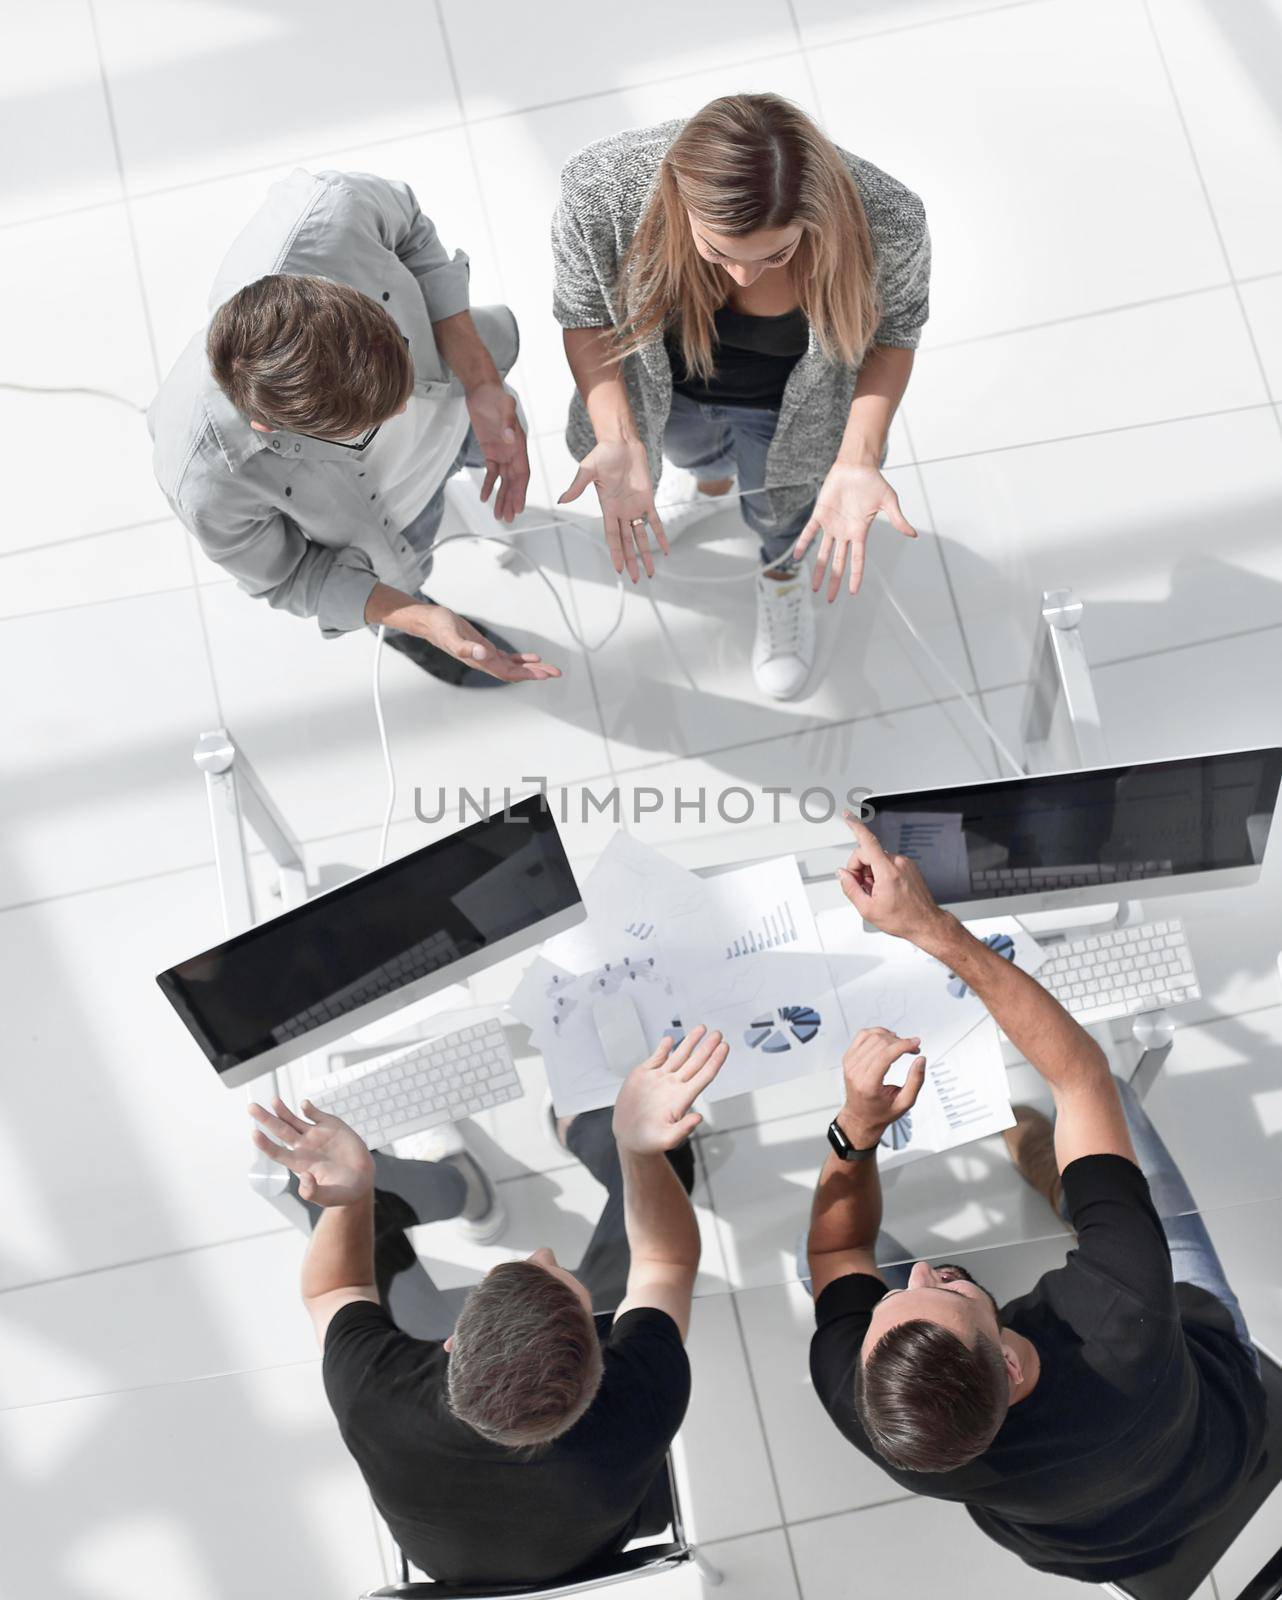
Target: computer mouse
618	1026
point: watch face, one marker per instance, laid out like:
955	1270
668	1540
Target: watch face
838	1140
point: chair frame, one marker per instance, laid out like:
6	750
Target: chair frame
634	1562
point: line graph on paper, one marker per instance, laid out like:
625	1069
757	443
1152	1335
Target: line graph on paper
776	928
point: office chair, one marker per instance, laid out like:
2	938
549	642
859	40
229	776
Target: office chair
636	1562
1194	1558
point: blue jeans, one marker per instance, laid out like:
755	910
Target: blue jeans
722	441
420	534
1193	1256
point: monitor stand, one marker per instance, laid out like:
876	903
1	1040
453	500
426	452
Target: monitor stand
1054	924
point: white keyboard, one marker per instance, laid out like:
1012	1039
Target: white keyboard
1119	973
437	1080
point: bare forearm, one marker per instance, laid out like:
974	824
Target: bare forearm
341	1252
599	379
658	1216
1033	1020
883	377
395	609
846	1213
464	352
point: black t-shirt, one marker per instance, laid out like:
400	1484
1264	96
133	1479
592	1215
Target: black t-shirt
753	359
1146	1418
466	1510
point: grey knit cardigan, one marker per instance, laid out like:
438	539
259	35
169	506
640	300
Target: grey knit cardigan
605	189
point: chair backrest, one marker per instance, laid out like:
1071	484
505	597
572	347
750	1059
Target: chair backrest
635	1563
661	1505
1206	1546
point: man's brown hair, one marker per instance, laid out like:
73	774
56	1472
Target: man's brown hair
309	356
927	1402
525	1363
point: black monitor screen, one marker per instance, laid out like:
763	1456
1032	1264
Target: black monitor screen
1070	830
373	936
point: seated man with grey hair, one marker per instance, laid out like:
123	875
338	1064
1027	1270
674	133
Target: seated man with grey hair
527	1443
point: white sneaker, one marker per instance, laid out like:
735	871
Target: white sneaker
783	651
681	503
483	1218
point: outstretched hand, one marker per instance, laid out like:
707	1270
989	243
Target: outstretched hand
872	1104
620	472
850	499
888	891
330	1160
498	430
457	637
652	1112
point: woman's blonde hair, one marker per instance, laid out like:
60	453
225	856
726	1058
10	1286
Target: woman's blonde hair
743	163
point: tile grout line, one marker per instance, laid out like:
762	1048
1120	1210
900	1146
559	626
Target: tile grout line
526	110
516	111
166	1383
1100	433
110	600
747	1366
621	774
914	466
82	538
918	461
1089	316
806	63
765	1437
149	325
940	546
1210	204
912	448
710	1131
143	1261
531	438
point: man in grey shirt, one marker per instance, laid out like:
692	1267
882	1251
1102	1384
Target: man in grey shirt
306	436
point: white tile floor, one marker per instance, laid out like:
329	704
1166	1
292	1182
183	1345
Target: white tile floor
1096	403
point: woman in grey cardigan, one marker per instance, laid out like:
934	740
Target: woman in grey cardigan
744	298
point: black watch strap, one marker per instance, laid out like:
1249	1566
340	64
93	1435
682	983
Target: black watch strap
843	1147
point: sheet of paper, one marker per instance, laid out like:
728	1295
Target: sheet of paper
752	965
965	1097
738	951
883	982
935	841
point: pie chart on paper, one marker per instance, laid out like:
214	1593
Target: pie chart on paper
784	1029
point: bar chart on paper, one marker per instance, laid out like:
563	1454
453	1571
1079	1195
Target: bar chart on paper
776	928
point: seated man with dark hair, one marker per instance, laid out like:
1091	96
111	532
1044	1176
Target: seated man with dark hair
521	1447
1093	1422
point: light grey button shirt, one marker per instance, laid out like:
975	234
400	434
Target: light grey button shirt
306	525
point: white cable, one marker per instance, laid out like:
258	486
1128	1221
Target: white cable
386	746
980	718
750	575
101	394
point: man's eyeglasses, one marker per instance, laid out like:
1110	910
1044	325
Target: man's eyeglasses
358	445
365	440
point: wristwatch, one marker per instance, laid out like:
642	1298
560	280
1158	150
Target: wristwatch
845	1150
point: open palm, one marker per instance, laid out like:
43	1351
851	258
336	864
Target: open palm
652	1112
330	1160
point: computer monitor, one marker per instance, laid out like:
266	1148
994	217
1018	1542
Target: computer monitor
1062	839
378	943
